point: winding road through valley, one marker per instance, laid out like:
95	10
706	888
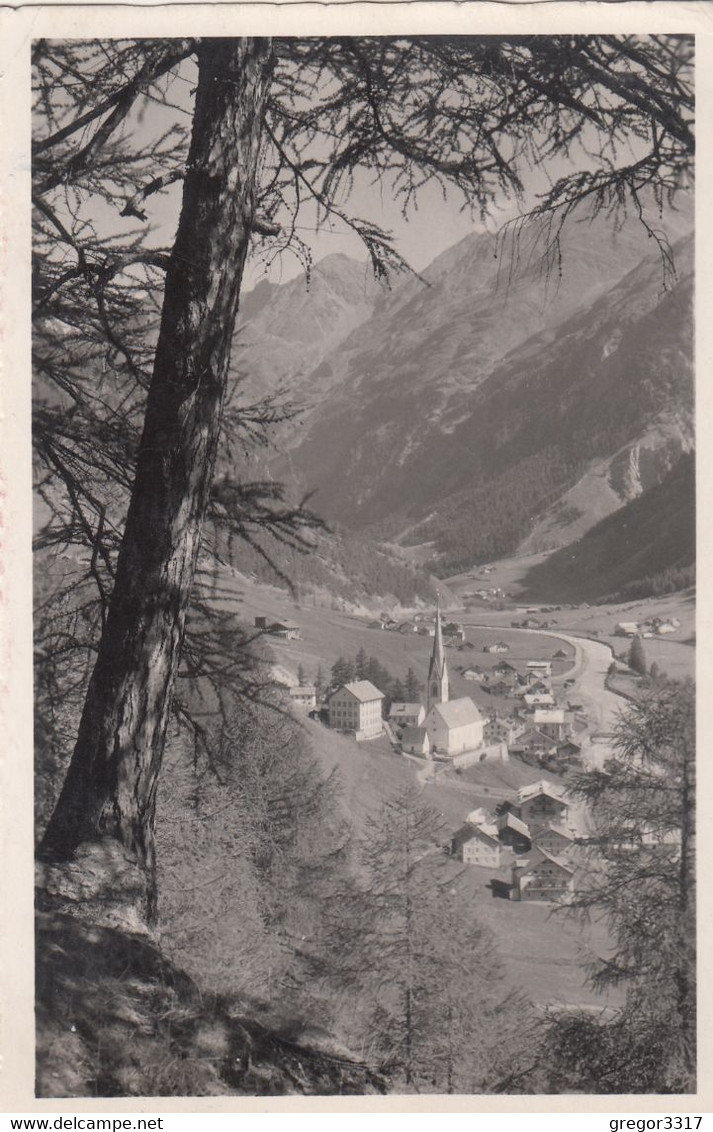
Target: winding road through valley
602	707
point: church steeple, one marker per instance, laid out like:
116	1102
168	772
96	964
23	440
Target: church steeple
437	669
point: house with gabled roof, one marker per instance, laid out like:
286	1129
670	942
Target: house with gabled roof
514	832
533	744
626	629
476	673
477	845
541	876
551	721
538	699
415	740
497	730
504	685
288	630
411	715
541	803
454	631
533	682
554	839
569	752
357	708
304	694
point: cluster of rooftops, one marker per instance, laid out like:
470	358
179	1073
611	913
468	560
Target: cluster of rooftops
525	844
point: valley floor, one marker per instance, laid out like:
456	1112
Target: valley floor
543	949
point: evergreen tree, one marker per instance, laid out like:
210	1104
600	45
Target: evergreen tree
397	692
637	656
641	880
361	665
413	687
443	1019
301	675
355	106
379	676
319	682
341	672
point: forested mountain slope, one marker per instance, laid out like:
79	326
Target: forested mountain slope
647	546
492	402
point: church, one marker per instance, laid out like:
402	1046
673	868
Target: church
451	726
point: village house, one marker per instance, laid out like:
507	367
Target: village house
533	744
540	876
514	832
304	694
454	631
499	646
411	715
669	625
476	673
504	668
541	803
480	816
560	655
357	708
569	753
414	740
477	845
501	686
541	668
555	840
534	683
497	730
551	721
626	629
287	630
539	699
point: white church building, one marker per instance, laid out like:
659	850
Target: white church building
452	726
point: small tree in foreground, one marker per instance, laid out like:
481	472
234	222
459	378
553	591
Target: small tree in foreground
641	881
637	657
442	1017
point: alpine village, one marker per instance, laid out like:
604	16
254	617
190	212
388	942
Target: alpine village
364	692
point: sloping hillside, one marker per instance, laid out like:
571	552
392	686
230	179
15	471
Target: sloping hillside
650	536
483	408
285	330
116	1019
608	379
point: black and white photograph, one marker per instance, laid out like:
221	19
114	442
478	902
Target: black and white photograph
364	544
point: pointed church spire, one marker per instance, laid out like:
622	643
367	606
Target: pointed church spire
437	670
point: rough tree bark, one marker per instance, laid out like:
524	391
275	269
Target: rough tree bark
110	788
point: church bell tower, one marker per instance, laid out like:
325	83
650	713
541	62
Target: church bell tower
437	669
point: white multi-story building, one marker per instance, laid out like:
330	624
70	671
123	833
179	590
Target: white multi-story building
357	707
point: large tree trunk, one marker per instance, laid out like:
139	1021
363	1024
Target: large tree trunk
110	788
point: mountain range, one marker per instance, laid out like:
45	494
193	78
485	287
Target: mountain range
507	400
